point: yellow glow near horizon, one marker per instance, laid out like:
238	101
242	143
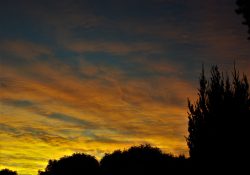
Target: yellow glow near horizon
45	120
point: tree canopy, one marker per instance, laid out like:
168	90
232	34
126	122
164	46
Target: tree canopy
143	159
77	164
7	172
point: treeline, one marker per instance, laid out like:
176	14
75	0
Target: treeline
143	160
139	160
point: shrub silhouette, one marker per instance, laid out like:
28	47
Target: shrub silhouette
244	9
219	122
142	160
139	160
77	164
7	172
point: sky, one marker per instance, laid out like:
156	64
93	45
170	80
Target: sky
95	76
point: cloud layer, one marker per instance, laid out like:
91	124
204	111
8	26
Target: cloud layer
81	76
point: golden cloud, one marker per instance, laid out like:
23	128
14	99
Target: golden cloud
51	106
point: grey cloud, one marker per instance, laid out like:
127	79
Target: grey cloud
8	129
17	103
70	119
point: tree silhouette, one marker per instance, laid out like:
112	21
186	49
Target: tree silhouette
7	172
77	164
244	9
218	122
142	160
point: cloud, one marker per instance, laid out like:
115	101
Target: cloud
85	76
70	119
104	100
17	103
26	152
8	129
102	138
117	48
24	49
58	106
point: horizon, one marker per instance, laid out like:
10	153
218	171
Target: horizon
94	77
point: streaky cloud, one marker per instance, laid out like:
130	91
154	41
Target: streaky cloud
70	119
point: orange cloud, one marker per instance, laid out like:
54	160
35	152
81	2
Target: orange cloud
50	105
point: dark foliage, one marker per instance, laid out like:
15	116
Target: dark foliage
244	9
7	172
77	164
219	122
142	160
137	160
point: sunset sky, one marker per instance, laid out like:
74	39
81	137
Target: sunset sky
94	76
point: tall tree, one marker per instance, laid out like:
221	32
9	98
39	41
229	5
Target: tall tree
218	121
